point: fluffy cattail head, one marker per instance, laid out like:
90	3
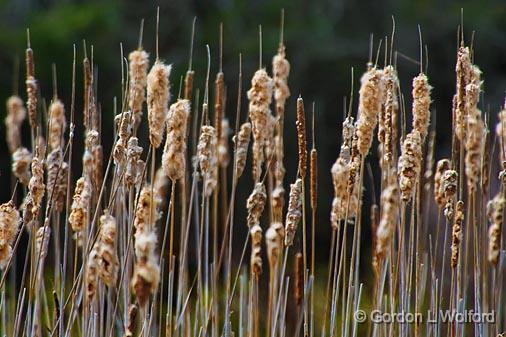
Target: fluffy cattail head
277	202
495	213
174	153
294	213
421	105
107	256
280	72
9	223
138	63
441	167
301	137
207	152
458	221
146	213
21	160
135	165
16	114
256	250
57	174
223	154
387	129
80	205
369	106
462	69
241	144
344	203
124	121
158	99
409	164
255	204
57	124
387	224
146	271
274	241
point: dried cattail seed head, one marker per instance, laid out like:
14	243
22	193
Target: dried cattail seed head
219	97
441	166
256	250
79	213
344	203
57	124
369	106
146	271
409	164
421	105
462	69
388	221
21	160
188	85
9	223
138	63
298	288
134	164
255	204
277	203
107	261
387	128
16	114
207	152
241	143
500	131
449	189
294	214
158	99
301	137
223	154
274	241
31	89
124	121
146	213
280	72
458	221
496	210
174	153
57	174
36	186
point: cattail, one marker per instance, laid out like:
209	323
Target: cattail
123	121
255	204
219	97
188	85
280	72
174	153
158	100
16	114
146	271
294	214
79	213
21	160
270	142
375	218
301	137
161	183
256	250
495	209
208	158
442	166
147	212
421	105
89	161
91	276
279	168
347	141
42	241
463	71
500	131
458	221
369	106
274	241
448	190
132	315
57	124
134	163
241	145
223	154
88	93
9	222
475	131
313	181
97	154
36	185
344	203
298	287
31	88
138	62
57	173
107	262
409	164
277	203
387	224
387	128
260	96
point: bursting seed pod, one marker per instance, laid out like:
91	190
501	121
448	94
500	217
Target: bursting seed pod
409	164
21	160
57	124
456	232
57	173
81	202
158	99
207	153
16	114
280	72
241	144
369	106
256	250
274	241
463	70
134	164
387	128
138	63
387	224
260	97
344	203
174	153
124	121
9	223
421	105
107	260
36	186
495	213
255	204
146	270
449	189
146	213
441	166
294	213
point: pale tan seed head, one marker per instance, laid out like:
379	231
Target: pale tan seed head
241	143
57	124
421	105
21	160
174	152
387	128
207	153
256	250
16	114
274	241
108	262
79	213
388	221
9	223
463	73
441	166
458	221
223	152
294	214
255	204
495	214
409	164
138	69
158	87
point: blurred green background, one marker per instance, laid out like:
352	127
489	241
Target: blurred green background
324	40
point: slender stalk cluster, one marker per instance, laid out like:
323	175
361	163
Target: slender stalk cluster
174	153
9	223
138	63
16	114
158	100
